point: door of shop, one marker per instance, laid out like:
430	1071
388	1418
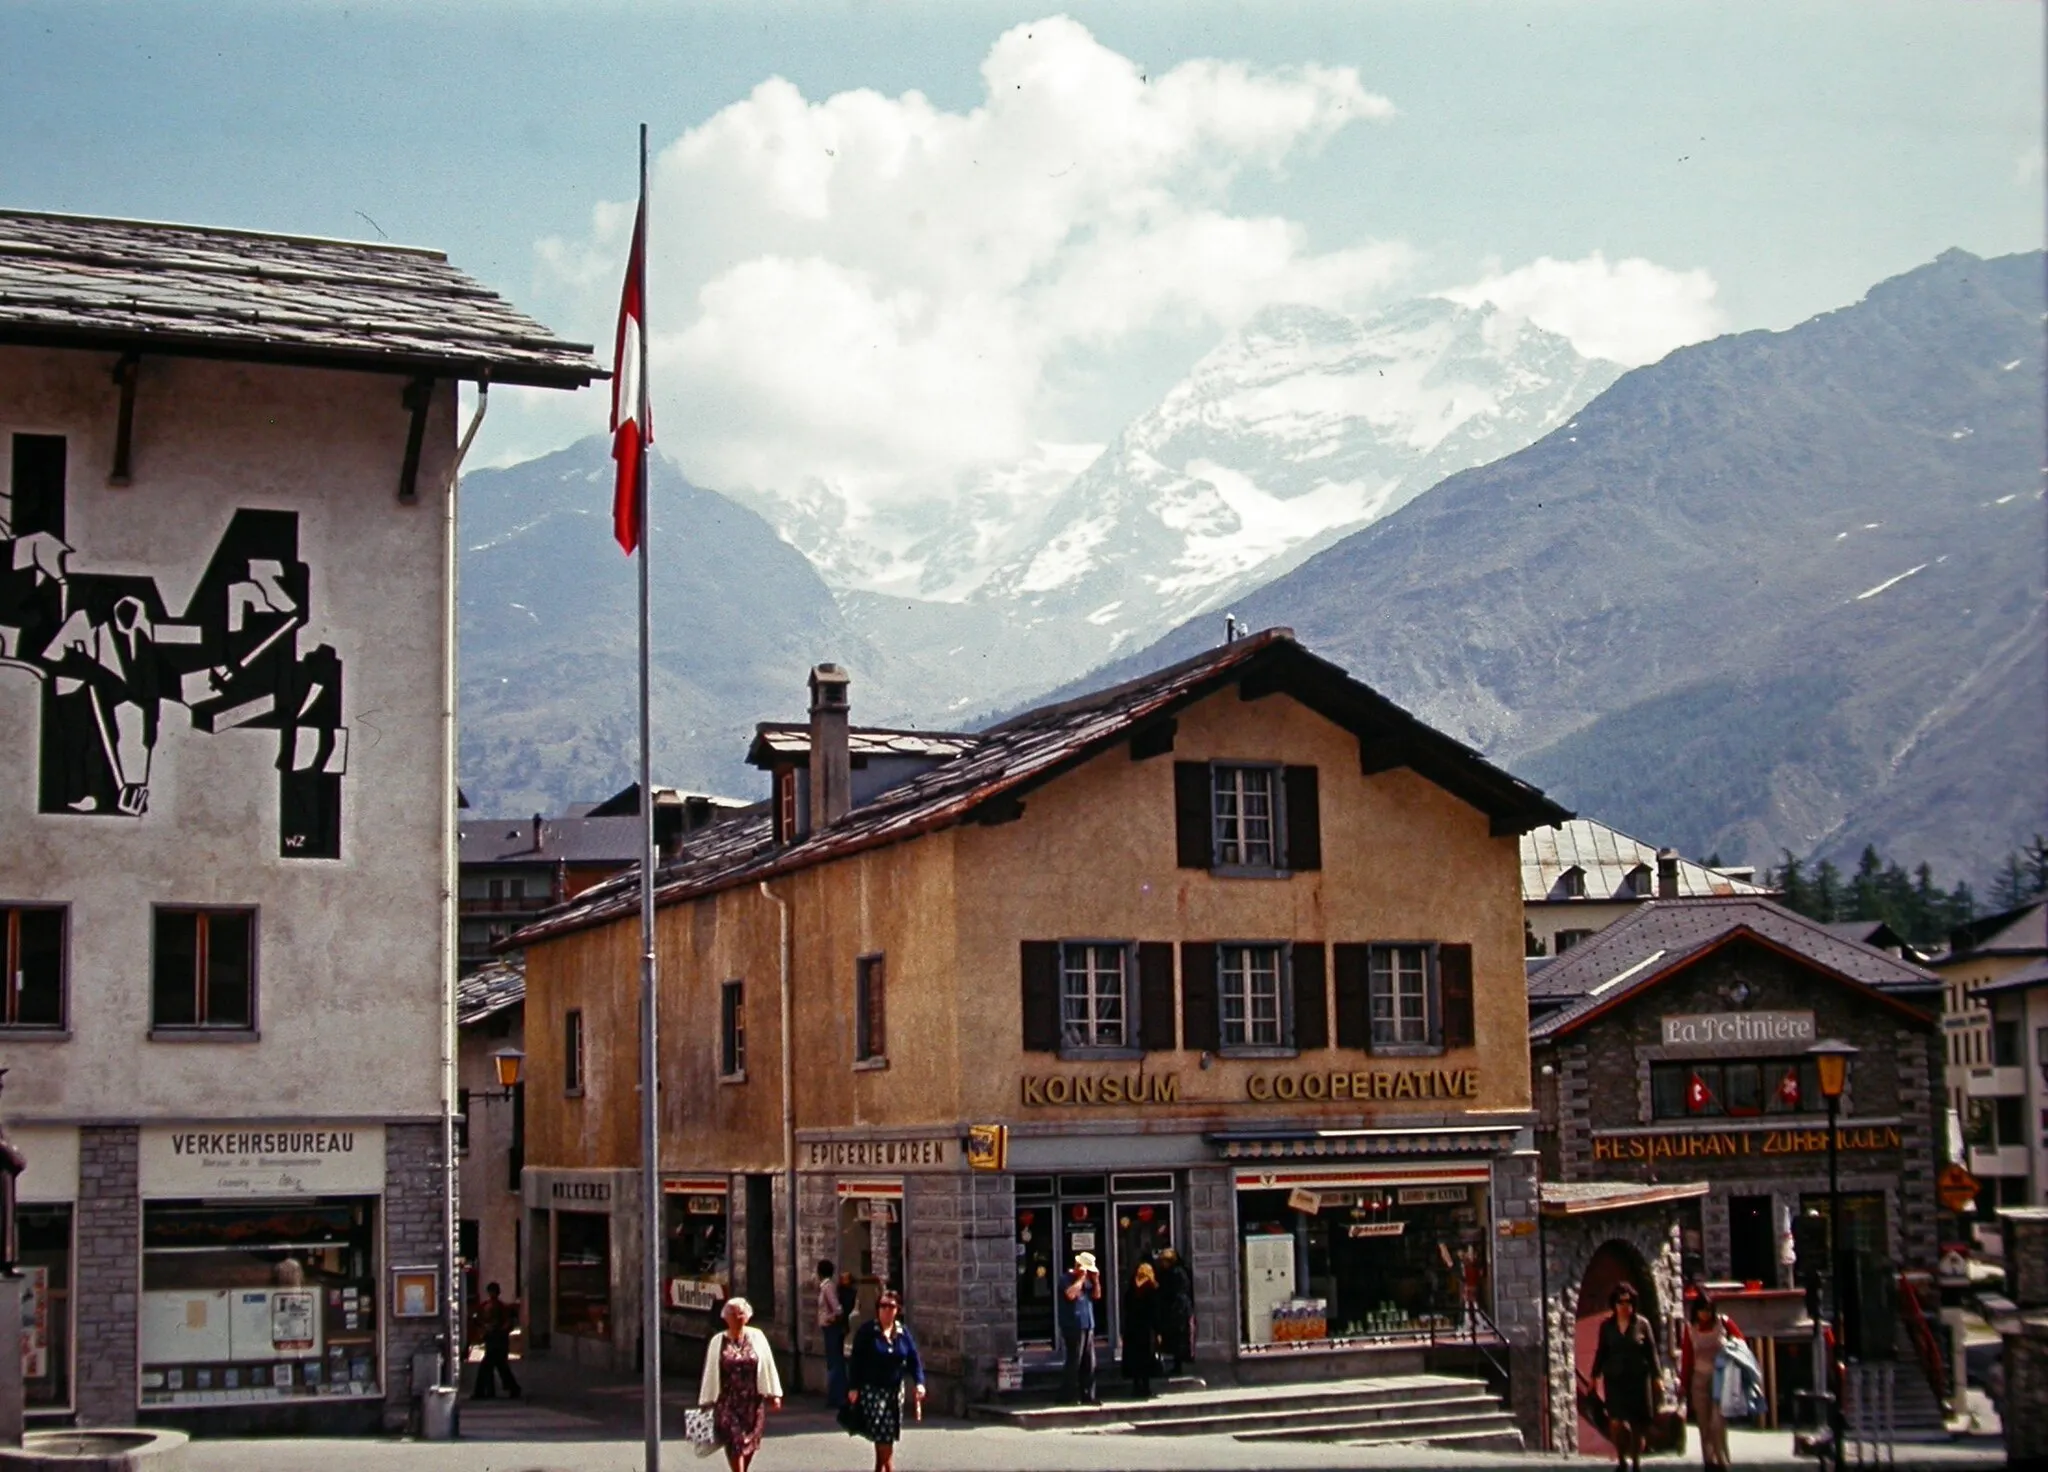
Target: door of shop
1752	1248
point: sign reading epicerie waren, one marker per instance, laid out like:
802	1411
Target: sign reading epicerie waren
1717	1032
228	1160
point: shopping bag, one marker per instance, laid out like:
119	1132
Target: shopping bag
700	1429
851	1421
1591	1406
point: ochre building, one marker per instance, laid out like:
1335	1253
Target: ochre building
1227	960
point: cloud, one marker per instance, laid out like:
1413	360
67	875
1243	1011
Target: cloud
1631	311
875	294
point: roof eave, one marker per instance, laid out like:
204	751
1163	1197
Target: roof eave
472	367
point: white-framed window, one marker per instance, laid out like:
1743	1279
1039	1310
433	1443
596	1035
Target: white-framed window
1398	989
1244	808
1248	996
1095	994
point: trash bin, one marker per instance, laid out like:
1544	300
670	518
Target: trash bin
437	1413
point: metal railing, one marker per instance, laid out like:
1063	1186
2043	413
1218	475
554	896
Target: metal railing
1925	1345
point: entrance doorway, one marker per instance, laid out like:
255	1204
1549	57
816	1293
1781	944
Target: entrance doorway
1614	1264
1752	1244
1124	1220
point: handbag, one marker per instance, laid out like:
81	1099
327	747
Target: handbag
1666	1433
851	1421
700	1429
1591	1406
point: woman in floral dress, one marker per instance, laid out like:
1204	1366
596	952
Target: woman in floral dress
740	1384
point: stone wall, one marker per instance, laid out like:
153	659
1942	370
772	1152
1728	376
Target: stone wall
1569	1243
962	1285
1517	1297
415	1233
1211	1248
104	1275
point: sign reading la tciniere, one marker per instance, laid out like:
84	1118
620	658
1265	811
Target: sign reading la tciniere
230	1160
1716	1032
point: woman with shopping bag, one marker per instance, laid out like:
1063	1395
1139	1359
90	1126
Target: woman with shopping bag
740	1387
1627	1368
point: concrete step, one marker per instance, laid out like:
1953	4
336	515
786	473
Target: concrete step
1394	1429
1260	1423
1208	1405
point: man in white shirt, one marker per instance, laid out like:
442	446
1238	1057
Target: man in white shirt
832	1318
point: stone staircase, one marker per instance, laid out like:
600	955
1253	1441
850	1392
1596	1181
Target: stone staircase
1434	1410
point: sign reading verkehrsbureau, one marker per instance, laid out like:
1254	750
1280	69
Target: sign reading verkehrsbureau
1751	1032
226	1160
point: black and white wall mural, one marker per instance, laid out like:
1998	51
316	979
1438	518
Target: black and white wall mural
110	656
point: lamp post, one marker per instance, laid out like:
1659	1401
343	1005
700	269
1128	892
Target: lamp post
1831	1059
508	1062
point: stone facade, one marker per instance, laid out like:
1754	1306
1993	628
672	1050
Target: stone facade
109	1236
2025	1408
1652	1236
415	1232
1516	1294
1601	1093
1212	1262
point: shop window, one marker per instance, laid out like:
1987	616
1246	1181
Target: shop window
572	1051
871	1247
1763	1086
1248	996
696	1265
1398	985
870	985
1249	818
1345	1262
732	1030
263	1302
35	949
583	1274
204	970
1094	994
1863	1219
45	1233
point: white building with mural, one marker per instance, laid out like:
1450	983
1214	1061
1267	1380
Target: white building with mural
227	540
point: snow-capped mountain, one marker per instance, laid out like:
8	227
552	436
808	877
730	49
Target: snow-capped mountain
1299	428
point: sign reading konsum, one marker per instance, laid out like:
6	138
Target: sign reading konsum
229	1160
1713	1032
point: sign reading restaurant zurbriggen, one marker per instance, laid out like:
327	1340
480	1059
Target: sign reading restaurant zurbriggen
1346	1086
230	1160
1725	1144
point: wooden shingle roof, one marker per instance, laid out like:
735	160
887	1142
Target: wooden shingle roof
188	290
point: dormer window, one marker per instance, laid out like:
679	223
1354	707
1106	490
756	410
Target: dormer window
1640	882
1573	883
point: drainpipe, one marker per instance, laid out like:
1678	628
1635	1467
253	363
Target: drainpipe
451	1284
796	1352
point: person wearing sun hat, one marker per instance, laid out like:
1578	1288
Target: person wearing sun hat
1078	1297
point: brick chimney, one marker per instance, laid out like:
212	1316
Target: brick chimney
1667	873
831	762
539	837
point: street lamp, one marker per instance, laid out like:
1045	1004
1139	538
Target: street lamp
1831	1060
508	1062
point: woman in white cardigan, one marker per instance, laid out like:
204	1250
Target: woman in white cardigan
740	1385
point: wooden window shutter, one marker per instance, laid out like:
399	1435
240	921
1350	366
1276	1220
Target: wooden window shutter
1354	1004
1155	996
1454	991
1194	827
1041	996
1201	1026
1304	819
1311	998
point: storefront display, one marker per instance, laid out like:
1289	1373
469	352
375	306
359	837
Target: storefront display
46	1305
1341	1257
871	1239
583	1273
259	1302
696	1251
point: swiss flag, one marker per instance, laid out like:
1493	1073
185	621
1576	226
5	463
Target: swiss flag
632	426
1697	1095
1788	1088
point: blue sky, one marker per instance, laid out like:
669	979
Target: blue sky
1759	163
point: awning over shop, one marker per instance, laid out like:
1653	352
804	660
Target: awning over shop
1483	1139
1584	1198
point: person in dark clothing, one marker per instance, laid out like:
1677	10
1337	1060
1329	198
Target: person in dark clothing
833	1318
1177	1311
1627	1370
883	1360
495	1321
1143	1306
1078	1297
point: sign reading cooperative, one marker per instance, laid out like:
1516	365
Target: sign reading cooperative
1259	1088
1714	1032
1721	1144
272	1160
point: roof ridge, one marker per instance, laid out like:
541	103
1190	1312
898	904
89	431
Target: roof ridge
1222	654
237	232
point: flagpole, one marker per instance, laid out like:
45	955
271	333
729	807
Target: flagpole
650	1099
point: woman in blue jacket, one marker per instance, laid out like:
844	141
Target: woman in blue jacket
884	1358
